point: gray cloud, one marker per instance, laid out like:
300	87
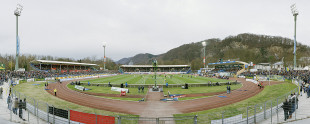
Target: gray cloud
76	28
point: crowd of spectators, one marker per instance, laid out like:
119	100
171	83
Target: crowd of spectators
6	75
291	74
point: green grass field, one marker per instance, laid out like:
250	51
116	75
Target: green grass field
149	79
38	92
107	90
269	93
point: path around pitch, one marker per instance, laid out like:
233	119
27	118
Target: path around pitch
153	107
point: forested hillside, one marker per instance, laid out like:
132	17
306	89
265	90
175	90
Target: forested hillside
244	47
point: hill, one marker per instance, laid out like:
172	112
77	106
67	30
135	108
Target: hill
244	47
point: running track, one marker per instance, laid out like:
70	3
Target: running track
248	90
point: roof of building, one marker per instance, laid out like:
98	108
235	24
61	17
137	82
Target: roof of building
228	63
62	63
149	66
278	63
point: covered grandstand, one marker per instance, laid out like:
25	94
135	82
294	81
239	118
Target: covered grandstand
234	67
62	66
160	69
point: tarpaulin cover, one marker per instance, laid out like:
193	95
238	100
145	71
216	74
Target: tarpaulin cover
91	118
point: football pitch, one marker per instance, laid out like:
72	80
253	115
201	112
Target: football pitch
150	79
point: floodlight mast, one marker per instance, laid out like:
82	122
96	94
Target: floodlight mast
295	13
17	13
204	44
104	44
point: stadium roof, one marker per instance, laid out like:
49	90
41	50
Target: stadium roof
149	66
62	63
228	63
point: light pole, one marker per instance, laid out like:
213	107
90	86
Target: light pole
17	13
155	65
295	13
204	44
104	44
269	73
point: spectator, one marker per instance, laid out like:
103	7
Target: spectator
290	110
142	89
24	104
296	97
1	91
308	91
227	90
15	106
9	102
301	87
55	90
293	98
285	107
20	108
110	84
138	89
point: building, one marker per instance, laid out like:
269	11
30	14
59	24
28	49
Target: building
233	67
62	66
146	69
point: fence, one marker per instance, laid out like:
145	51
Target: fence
254	113
43	112
161	85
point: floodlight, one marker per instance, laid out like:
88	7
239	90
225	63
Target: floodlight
294	9
18	10
204	44
104	44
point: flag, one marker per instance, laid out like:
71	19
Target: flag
17	46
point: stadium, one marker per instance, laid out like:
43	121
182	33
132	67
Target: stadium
190	98
242	79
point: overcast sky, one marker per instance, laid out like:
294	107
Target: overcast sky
77	28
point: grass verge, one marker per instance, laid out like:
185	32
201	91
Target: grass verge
269	94
36	90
